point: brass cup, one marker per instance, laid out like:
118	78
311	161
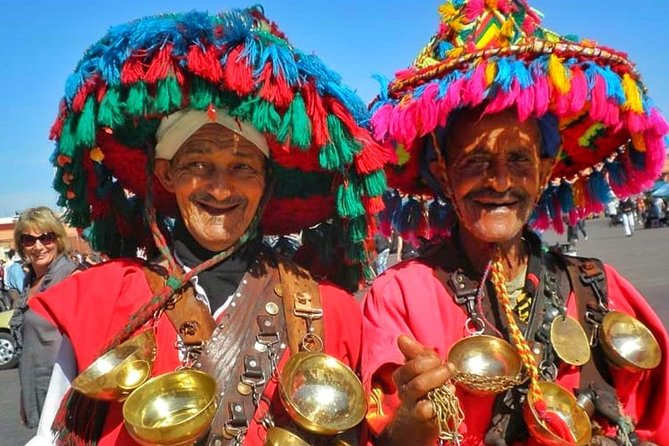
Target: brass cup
114	375
485	359
628	343
321	394
172	409
278	436
561	402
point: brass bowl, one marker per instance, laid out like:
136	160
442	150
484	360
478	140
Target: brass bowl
321	394
172	409
628	343
485	365
114	375
278	436
562	403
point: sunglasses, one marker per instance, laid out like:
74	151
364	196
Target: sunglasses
27	240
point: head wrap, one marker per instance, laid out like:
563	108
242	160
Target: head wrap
496	54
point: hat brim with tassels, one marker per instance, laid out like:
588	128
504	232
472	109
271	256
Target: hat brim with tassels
324	161
495	54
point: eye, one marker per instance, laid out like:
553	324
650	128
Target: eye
474	161
519	157
196	167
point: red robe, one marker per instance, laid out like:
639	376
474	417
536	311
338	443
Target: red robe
409	299
91	307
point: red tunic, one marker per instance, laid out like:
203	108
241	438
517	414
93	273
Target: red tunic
91	307
409	299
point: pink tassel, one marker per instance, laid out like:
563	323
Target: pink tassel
453	97
658	123
525	103
655	154
579	90
635	122
541	94
504	100
427	109
403	123
598	99
474	91
474	9
573	217
381	121
612	117
542	222
558	221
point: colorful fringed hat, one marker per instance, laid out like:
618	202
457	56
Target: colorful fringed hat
324	162
495	54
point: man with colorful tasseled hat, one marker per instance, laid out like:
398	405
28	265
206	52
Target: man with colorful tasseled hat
486	338
188	137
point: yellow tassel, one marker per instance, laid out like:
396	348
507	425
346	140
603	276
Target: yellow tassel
558	74
97	155
491	4
578	190
507	29
490	72
446	11
632	95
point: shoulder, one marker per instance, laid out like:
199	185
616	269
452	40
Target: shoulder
412	276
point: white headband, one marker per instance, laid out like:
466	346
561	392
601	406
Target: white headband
176	128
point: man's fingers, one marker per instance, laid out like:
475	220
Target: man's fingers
411	349
417	388
415	367
424	411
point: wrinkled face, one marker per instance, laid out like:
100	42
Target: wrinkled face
40	248
218	179
493	173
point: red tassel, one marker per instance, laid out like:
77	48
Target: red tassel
317	115
274	89
84	91
237	73
343	114
205	63
133	70
161	65
57	126
373	205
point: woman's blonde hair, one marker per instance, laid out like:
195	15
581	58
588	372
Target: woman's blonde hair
40	219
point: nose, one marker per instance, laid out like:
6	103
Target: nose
499	175
220	184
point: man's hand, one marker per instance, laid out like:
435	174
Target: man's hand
422	371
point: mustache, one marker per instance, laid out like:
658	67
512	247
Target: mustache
491	194
203	197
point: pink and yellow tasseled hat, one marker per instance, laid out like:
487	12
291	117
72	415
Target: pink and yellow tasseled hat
496	54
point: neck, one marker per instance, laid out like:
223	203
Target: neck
480	252
39	270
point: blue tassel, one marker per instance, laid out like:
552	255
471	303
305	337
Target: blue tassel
504	75
551	138
566	196
282	62
521	73
599	188
616	172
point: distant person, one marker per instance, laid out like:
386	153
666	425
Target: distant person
41	241
382	247
14	276
627	208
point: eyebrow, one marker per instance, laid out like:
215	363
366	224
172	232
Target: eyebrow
244	152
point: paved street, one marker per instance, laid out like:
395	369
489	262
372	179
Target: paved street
643	259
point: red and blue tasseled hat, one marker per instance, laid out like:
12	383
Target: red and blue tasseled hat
325	162
495	54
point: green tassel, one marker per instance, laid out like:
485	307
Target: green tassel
226	100
357	229
245	109
168	95
265	118
67	141
201	94
139	102
295	126
356	252
110	113
348	201
85	136
374	183
339	151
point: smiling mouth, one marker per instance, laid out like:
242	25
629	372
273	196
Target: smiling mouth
217	210
496	204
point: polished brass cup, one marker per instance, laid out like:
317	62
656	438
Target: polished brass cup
628	343
114	375
321	394
278	436
563	404
172	409
485	365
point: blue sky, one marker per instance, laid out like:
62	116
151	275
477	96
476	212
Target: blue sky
41	41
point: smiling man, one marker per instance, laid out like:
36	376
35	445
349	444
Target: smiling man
486	338
242	135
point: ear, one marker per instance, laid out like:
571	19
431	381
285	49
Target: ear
164	173
545	170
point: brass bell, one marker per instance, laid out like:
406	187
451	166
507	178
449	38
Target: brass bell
173	409
321	394
563	404
278	436
628	343
114	375
485	364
